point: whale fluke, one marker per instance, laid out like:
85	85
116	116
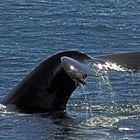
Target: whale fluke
47	88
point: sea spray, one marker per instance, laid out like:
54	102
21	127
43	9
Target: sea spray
102	107
104	83
113	111
103	77
105	86
87	104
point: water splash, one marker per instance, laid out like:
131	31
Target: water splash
86	102
10	110
105	121
112	111
104	81
111	116
2	107
100	121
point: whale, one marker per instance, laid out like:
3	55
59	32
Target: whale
49	86
128	60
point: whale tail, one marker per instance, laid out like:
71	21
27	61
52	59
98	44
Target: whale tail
47	88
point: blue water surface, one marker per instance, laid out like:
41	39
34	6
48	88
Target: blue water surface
107	107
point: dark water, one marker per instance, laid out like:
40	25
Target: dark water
31	30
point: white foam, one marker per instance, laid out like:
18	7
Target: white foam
110	65
125	129
2	106
103	121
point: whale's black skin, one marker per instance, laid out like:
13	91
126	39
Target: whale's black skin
129	60
47	88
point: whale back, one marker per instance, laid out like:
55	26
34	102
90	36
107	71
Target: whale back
129	60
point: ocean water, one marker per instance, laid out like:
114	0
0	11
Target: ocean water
108	107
